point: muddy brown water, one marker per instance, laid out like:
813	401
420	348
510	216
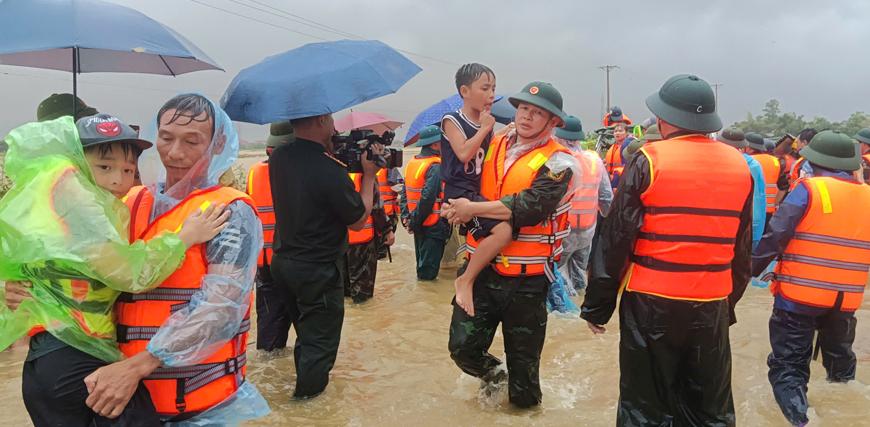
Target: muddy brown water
393	368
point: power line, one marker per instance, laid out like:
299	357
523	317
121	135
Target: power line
309	23
259	20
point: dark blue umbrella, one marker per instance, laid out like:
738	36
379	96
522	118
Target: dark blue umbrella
84	36
315	79
434	113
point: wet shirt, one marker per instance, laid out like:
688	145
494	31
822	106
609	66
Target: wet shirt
781	230
616	244
314	200
462	179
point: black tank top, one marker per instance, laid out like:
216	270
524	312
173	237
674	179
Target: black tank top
462	179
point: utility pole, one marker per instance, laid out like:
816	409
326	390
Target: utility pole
716	91
607	69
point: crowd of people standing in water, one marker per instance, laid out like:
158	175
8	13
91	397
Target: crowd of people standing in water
144	322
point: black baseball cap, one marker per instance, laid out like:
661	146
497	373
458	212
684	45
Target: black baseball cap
105	128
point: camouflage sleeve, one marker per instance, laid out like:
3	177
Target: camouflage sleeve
534	204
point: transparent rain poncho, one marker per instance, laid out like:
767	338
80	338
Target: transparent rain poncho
216	311
56	226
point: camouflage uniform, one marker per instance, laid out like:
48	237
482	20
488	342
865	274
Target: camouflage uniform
519	303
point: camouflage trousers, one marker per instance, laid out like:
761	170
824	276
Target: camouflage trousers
362	267
519	304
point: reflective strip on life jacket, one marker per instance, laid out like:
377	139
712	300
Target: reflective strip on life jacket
772	169
260	190
826	262
415	180
538	246
691	218
198	376
141	316
389	198
584	204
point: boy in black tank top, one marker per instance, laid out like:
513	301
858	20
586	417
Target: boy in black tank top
467	133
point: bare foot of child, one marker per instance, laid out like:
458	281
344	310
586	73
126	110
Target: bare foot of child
464	294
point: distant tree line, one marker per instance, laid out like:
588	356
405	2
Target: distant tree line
772	122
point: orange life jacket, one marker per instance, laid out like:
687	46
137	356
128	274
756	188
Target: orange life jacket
691	217
584	203
368	232
187	389
261	192
772	169
389	198
537	246
829	254
613	161
415	179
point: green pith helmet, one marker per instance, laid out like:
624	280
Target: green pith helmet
429	135
280	133
833	150
542	95
733	137
63	104
687	102
755	141
571	130
863	136
652	134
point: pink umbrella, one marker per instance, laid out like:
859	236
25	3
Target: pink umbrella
375	122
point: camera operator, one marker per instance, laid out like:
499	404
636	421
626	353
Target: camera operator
315	204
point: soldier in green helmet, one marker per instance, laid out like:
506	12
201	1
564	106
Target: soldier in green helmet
677	243
63	104
527	176
590	201
818	284
420	204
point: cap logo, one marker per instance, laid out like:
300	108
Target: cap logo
534	90
108	129
699	109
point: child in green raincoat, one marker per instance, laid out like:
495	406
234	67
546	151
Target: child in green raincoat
64	229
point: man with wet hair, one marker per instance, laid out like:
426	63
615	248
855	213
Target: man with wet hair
187	338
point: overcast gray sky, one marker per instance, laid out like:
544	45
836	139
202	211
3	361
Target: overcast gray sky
810	55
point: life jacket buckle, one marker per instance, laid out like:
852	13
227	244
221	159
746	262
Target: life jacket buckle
121	334
231	366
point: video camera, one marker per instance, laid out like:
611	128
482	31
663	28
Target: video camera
349	149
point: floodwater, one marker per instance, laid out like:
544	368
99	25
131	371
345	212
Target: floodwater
393	368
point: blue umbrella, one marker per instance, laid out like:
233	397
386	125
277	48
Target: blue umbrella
315	79
435	112
503	111
85	36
